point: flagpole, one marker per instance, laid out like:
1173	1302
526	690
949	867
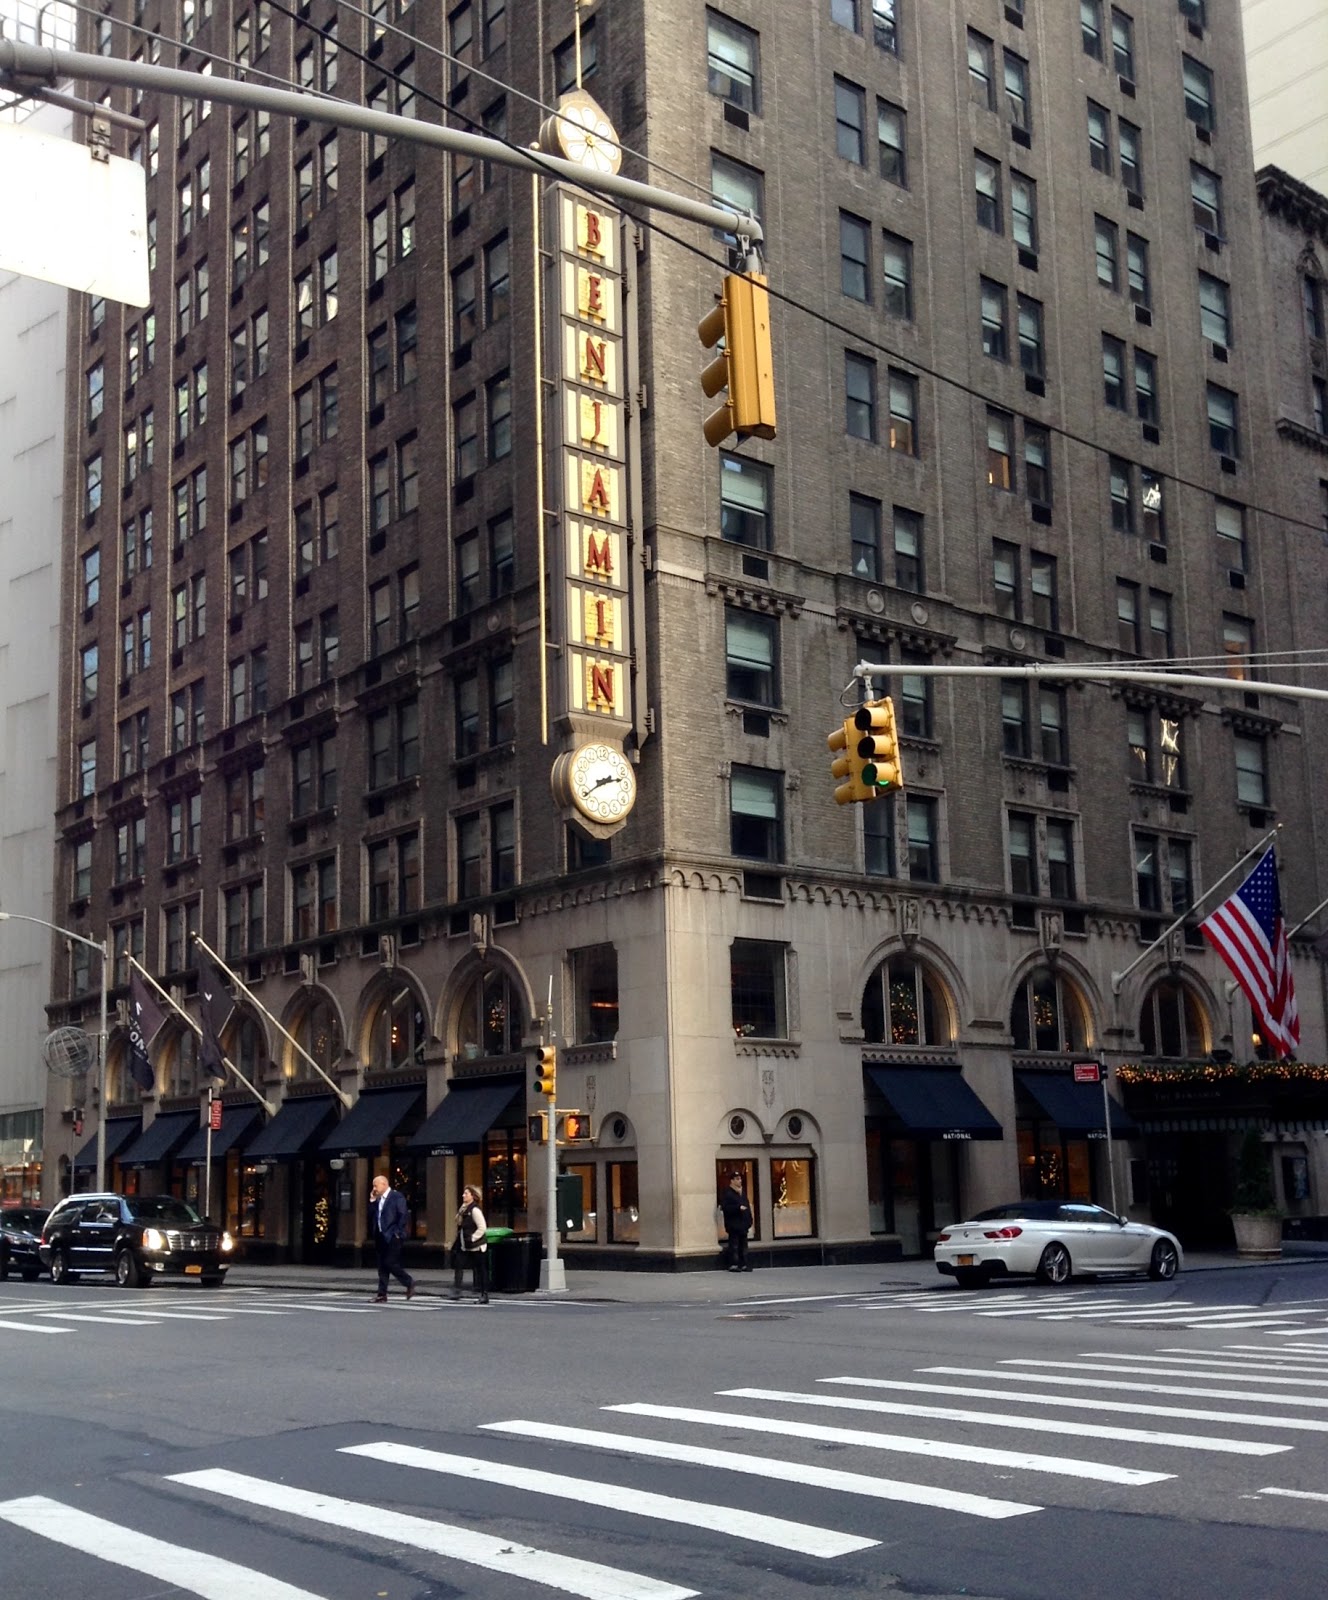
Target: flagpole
1118	978
284	1032
226	1061
1304	920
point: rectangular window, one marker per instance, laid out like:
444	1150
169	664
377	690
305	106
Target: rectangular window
1042	581
464	319
497	280
470	857
757	987
1159	624
897	262
860	396
1223	434
751	649
1016	90
850	115
1206	199
744	501
1251	770
1130	147
1037	463
1000	449
892	143
1237	645
1023	210
1152	506
1229	523
1121	477
903	412
1136	256
987	191
878	836
756	814
1147	879
1090	27
465	437
1106	246
1021	831
735	186
923	839
1198	86
865	534
1122	43
732	62
908	550
981	70
1145	387
502	847
1113	372
1099	138
1031	359
915	700
1127	617
995	336
1060	859
1005	579
1214	310
1055	747
854	257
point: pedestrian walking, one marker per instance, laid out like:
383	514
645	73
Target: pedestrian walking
737	1223
472	1245
387	1223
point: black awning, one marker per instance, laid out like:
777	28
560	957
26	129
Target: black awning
374	1118
160	1139
464	1116
935	1103
1075	1108
237	1127
293	1129
119	1131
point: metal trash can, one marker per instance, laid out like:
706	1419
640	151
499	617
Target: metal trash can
514	1260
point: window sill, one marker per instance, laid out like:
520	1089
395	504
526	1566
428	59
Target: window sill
591	1054
753	1045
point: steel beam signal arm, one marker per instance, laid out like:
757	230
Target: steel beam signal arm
28	67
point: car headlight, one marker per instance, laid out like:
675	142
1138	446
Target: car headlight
227	1243
154	1239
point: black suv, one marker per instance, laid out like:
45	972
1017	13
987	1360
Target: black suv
20	1233
137	1238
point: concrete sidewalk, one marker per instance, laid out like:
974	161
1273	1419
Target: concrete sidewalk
588	1285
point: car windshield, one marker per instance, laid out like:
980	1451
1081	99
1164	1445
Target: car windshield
162	1208
28	1218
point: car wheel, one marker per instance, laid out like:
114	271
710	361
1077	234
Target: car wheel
1054	1266
127	1274
1164	1263
60	1272
971	1277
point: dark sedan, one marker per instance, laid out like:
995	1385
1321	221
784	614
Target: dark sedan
20	1235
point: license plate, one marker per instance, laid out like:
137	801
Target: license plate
196	1270
965	1261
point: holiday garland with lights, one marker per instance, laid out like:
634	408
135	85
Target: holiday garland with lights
1225	1072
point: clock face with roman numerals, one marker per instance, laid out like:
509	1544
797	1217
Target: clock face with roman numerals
602	783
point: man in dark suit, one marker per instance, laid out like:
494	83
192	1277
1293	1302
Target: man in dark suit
387	1221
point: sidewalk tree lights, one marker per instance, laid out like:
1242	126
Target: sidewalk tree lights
103	952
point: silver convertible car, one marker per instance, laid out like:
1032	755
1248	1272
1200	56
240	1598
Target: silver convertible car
1051	1240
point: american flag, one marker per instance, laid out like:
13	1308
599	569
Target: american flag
1248	932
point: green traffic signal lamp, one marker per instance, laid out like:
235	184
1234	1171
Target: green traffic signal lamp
546	1071
877	746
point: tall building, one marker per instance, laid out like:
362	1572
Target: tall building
32	448
448	684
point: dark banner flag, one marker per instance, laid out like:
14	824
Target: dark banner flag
145	1017
214	1006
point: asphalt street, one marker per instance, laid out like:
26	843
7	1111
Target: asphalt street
856	1430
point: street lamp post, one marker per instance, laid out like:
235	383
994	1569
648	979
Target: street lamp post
104	953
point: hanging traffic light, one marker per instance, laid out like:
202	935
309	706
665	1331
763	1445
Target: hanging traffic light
847	766
745	365
878	747
546	1071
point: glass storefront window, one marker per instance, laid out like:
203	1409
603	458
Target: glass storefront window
318	1031
407	1173
725	1169
246	1194
504	1179
1052	1167
624	1203
793	1196
586	1233
398	1034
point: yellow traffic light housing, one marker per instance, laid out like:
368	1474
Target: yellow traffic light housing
574	1127
537	1127
847	766
745	365
880	768
546	1071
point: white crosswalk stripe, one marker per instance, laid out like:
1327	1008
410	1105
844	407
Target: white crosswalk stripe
777	1531
1126	1306
1100	1381
195	1571
568	1573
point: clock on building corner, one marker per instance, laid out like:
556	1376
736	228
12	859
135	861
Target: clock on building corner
580	131
598	780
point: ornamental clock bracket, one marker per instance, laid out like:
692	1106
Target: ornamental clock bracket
595	786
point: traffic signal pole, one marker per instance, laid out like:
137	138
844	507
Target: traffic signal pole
29	69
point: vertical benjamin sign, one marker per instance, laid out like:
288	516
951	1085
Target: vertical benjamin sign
596	682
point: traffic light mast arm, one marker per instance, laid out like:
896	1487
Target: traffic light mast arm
1084	673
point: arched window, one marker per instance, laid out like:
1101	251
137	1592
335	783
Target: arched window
490	1022
398	1032
121	1088
905	1004
318	1030
178	1063
1173	1022
1048	1014
245	1045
